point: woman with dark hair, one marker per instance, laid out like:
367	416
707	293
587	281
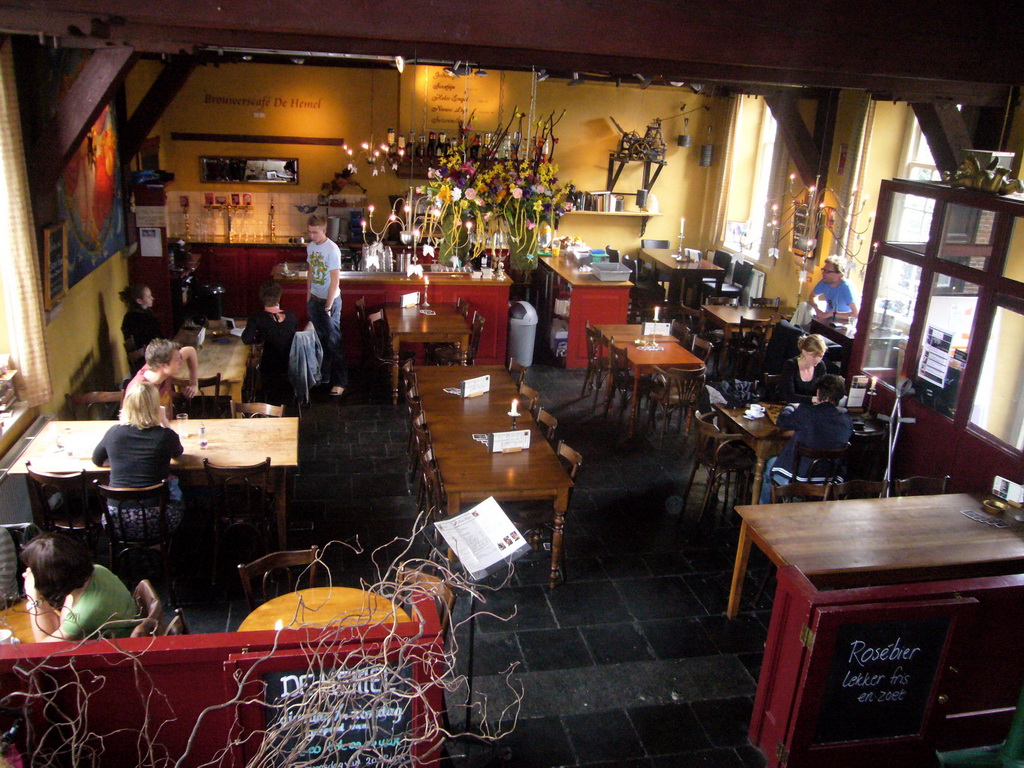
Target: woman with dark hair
69	597
139	326
275	328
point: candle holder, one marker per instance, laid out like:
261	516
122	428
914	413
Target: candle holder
869	396
425	302
513	417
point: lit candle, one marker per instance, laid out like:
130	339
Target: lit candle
515	408
682	227
874	382
656	310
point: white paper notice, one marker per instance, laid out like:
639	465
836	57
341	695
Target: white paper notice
410	299
858	391
477	386
482	538
150	216
150	244
510	441
935	354
657	329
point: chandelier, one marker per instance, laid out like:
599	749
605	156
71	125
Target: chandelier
808	212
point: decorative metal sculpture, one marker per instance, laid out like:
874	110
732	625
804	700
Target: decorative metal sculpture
634	147
993	178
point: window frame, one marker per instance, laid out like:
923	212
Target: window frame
994	289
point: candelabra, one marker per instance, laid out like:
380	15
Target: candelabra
807	212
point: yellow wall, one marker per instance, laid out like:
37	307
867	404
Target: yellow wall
83	337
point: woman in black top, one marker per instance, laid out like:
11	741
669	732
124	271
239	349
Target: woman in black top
275	328
139	451
800	373
139	326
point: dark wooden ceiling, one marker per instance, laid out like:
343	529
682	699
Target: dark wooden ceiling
965	52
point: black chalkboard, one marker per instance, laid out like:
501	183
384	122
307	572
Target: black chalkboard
325	716
55	265
880	679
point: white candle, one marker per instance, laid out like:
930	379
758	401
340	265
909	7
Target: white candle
682	227
656	310
874	381
515	408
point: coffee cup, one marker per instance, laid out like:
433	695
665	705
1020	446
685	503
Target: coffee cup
755	409
7	637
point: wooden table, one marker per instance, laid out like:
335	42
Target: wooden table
671	355
17	619
627	332
681	271
763	437
728	318
469	472
322	607
232	442
226	355
409	324
871	542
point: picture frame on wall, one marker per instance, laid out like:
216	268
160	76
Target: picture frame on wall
55	264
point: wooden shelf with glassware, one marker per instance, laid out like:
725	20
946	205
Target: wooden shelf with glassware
634	214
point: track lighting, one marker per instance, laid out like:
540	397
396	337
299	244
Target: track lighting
577	79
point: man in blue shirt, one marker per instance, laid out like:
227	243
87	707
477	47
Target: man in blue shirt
834	292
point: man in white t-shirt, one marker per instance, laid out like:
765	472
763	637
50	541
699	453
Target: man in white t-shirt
323	299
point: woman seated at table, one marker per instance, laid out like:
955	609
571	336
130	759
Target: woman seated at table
275	328
819	425
68	596
139	451
163	364
801	373
139	326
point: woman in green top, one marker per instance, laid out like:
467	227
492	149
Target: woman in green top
69	597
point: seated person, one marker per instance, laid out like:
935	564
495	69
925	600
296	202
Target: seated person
834	292
139	451
8	568
820	425
801	373
139	326
275	328
68	596
163	363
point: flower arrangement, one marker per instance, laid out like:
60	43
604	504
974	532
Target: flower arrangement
504	195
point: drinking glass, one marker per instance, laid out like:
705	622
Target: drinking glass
182	419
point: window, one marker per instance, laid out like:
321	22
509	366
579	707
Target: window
891	317
750	180
998	406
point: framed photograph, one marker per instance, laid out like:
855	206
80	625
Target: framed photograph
183	202
236	199
208	198
55	265
222	199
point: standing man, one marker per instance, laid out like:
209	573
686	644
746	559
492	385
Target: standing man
323	299
840	303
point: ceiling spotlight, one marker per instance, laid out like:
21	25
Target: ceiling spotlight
676	83
459	68
481	73
577	79
645	80
247	57
696	87
542	75
297	60
400	64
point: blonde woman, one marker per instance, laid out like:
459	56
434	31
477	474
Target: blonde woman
800	373
139	451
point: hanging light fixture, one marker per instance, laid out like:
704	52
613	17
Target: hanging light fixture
400	64
577	79
707	152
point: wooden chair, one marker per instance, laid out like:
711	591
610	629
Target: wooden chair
255	410
921	486
794	492
745	348
597	363
204	405
177	625
675	390
92	406
548	423
130	531
766	302
414	581
857	489
462	307
252	384
825	465
274	569
530	398
517	371
151	609
61	503
620	379
724	456
365	329
241	499
703	349
454	355
682	333
772	386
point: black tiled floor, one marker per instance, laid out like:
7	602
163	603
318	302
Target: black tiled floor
631	661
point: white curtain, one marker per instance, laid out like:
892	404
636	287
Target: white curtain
723	175
19	263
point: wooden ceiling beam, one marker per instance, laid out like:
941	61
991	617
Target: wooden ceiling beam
945	131
161	93
822	44
78	109
799	141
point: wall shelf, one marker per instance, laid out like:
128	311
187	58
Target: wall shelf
644	215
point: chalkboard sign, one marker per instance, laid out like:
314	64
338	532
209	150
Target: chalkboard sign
880	680
55	265
317	716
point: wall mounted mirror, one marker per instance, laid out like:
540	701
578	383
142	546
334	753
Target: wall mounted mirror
261	170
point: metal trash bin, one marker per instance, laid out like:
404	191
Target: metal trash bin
522	332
